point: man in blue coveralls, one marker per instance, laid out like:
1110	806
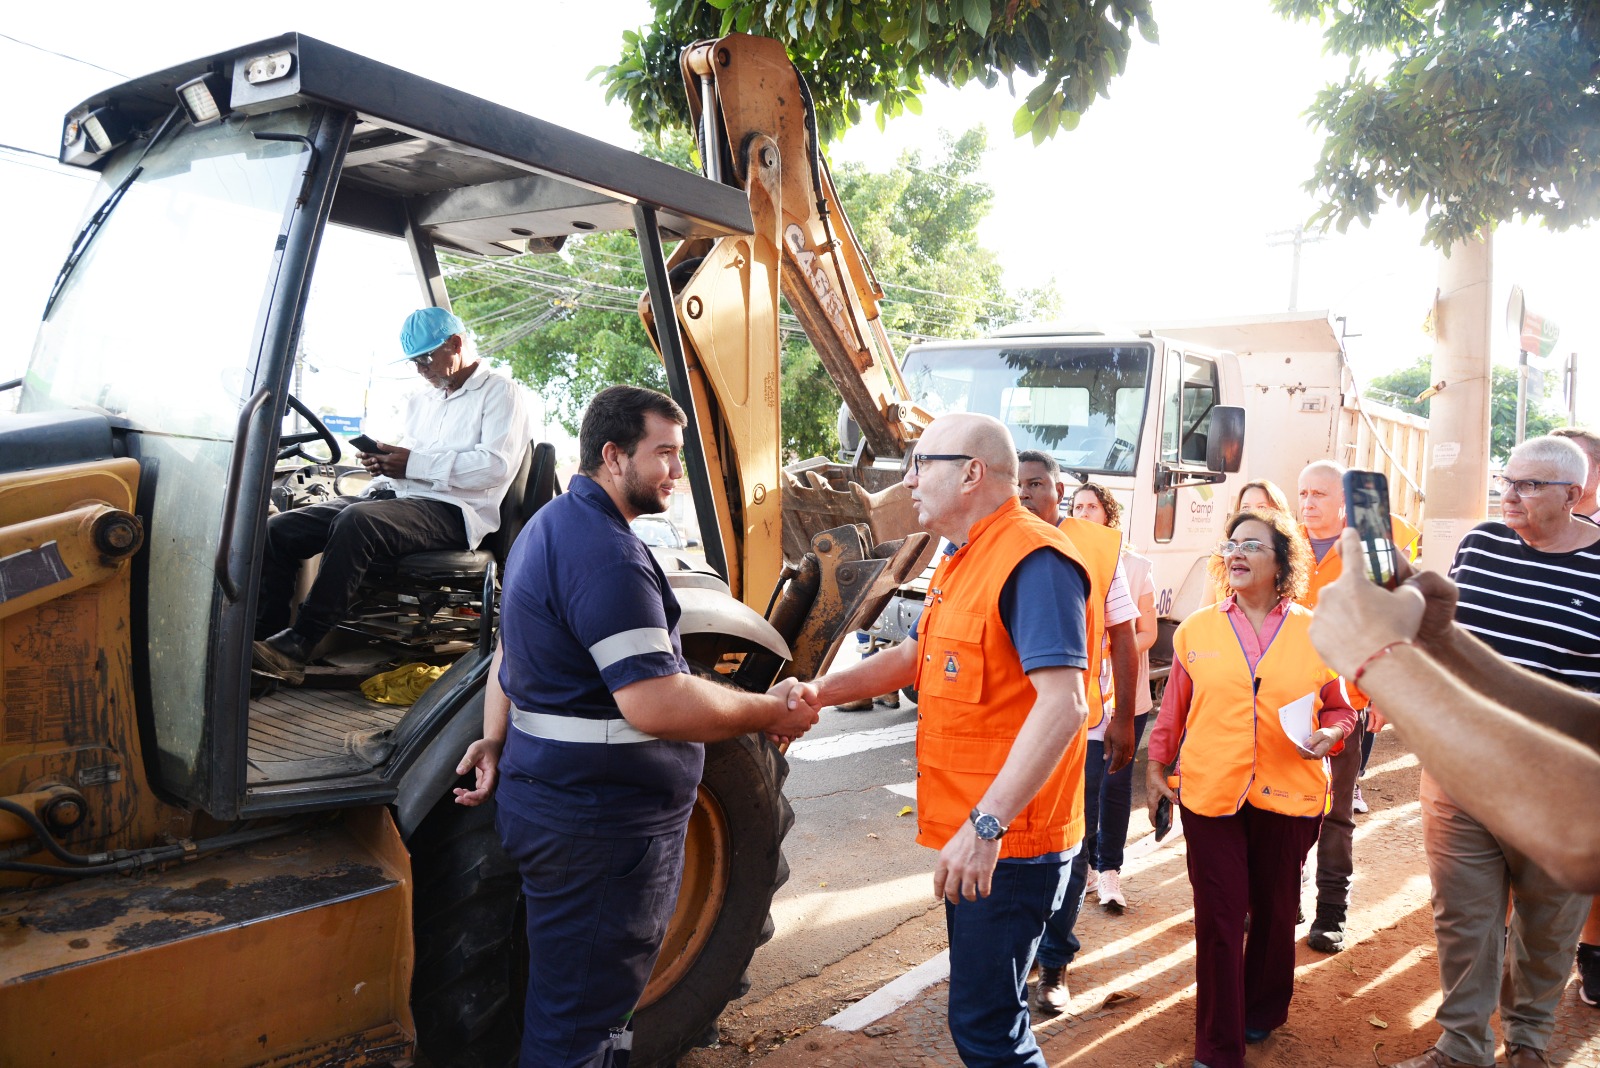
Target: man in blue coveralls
593	729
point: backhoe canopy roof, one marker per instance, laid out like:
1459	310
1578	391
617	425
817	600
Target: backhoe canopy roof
497	181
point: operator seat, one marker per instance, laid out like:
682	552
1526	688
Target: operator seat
425	599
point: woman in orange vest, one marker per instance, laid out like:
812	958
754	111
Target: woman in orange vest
1249	713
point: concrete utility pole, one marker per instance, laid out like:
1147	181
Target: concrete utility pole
1456	479
1298	238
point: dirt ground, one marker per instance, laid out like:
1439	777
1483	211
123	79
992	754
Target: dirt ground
1133	986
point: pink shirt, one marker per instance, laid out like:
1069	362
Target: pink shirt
1174	714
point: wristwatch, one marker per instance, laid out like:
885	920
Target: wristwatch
987	826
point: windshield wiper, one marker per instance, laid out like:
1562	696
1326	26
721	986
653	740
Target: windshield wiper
86	236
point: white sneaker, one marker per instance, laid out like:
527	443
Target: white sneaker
1092	881
1110	891
1360	803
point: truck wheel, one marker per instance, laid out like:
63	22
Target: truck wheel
471	971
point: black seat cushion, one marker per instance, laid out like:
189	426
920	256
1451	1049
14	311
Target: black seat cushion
440	563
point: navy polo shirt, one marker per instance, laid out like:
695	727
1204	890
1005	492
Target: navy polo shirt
1043	605
585	610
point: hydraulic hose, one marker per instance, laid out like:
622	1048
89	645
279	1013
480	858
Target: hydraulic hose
134	860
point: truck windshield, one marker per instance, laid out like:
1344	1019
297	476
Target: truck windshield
155	326
1083	404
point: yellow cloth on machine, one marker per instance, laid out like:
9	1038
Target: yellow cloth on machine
403	685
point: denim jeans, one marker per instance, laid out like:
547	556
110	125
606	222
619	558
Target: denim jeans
1107	802
992	942
597	911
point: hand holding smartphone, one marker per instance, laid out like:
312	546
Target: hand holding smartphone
1366	509
363	443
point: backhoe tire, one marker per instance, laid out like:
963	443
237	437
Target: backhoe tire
471	948
468	987
743	816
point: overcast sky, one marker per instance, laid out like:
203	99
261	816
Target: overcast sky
1159	206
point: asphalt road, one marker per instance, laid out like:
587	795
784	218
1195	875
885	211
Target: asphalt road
856	872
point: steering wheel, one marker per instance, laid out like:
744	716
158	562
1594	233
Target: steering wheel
289	445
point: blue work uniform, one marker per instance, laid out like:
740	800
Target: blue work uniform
592	810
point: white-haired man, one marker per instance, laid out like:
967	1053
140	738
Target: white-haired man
1530	590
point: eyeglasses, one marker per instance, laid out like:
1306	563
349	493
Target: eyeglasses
1526	487
1250	547
427	357
920	458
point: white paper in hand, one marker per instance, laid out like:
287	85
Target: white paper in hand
1297	720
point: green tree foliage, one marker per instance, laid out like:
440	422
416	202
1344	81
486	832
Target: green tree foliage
568	323
1473	113
1401	388
881	52
918	226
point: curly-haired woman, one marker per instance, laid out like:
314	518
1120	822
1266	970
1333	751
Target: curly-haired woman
1252	796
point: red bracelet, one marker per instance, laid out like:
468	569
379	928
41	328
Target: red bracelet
1355	679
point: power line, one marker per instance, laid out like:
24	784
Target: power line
63	55
64	172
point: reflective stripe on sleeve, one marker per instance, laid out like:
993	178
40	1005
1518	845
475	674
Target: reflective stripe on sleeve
620	646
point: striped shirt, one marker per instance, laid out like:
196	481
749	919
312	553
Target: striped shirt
1537	609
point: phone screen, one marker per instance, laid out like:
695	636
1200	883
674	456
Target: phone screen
1366	508
365	444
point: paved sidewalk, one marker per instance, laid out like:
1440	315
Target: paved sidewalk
1133	985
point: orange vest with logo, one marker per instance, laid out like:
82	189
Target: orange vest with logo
973	696
1100	548
1234	748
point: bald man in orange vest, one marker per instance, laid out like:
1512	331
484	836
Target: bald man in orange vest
998	661
1321	520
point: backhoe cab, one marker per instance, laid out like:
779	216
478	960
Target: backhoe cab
191	873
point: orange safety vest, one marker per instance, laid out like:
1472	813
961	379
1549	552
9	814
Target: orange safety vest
973	696
1234	748
1330	567
1101	549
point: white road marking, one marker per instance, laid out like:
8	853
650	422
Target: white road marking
904	789
840	745
886	999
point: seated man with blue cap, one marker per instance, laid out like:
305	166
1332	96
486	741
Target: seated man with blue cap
465	436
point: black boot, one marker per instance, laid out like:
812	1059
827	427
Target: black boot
1327	930
283	656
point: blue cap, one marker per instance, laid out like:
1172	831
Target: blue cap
426	330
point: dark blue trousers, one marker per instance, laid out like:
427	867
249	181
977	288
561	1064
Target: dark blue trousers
992	942
597	911
1107	801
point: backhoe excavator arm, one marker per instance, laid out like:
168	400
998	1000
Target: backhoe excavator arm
757	131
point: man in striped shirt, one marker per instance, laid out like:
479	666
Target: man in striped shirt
1530	589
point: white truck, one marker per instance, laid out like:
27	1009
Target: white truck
1173	418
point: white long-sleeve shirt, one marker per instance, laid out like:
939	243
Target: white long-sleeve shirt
465	448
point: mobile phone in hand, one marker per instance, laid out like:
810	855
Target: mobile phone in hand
363	443
1366	508
1163	818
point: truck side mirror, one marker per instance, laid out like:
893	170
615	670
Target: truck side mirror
1225	443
